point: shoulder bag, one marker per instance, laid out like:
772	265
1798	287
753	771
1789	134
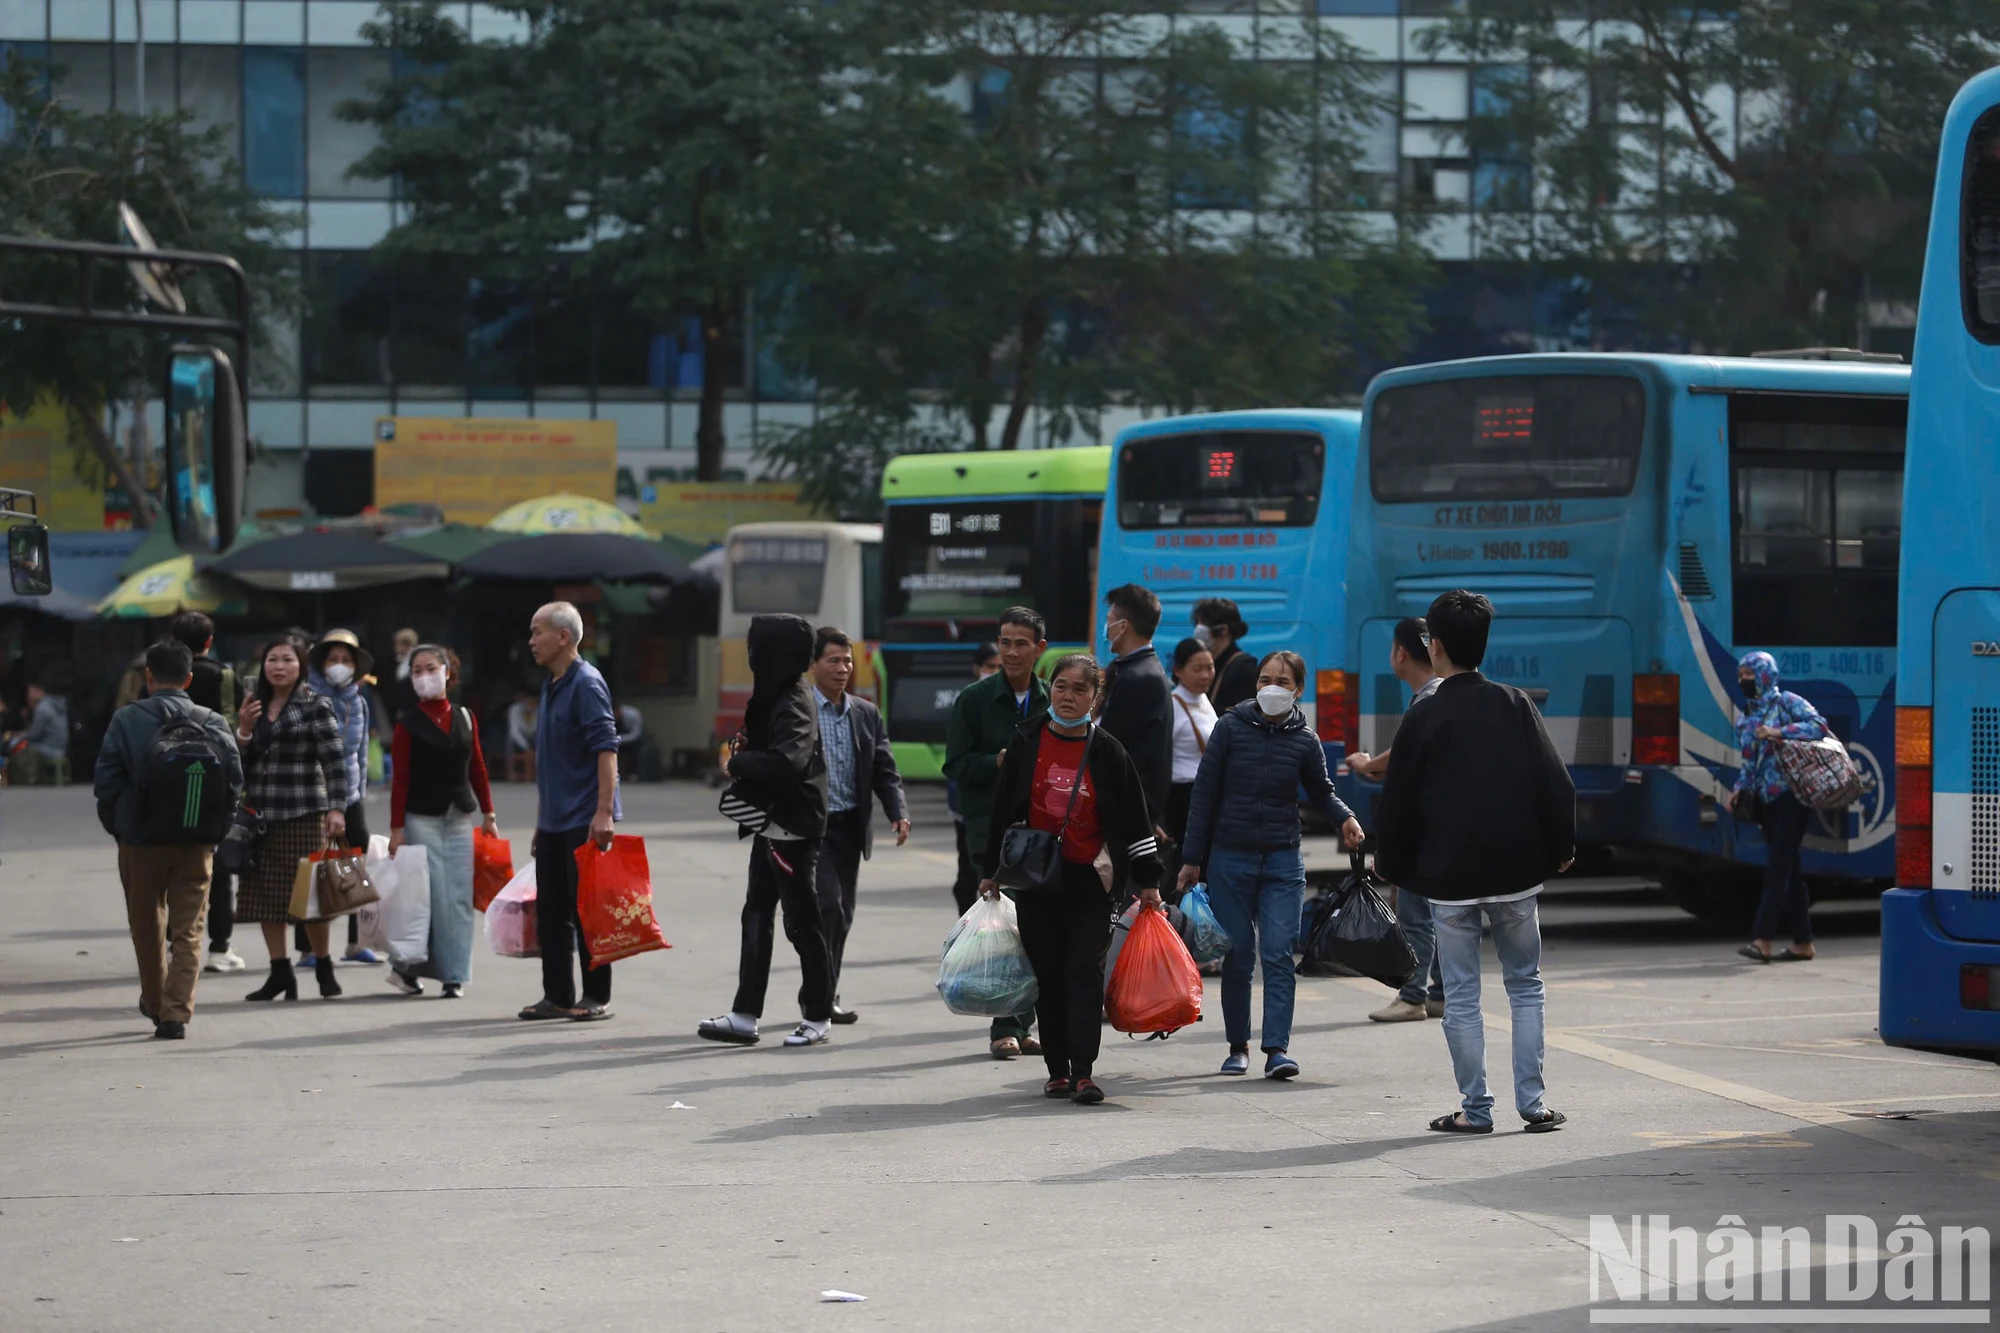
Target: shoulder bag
1031	858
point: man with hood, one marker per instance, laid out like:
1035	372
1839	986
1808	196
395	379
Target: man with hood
1764	796
778	797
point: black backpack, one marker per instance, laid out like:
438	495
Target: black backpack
184	796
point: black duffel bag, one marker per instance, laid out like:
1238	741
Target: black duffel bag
1355	932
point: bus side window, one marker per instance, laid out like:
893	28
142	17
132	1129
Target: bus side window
871	591
1980	263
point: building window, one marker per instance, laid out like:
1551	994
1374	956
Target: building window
82	74
500	341
427	337
212	88
337	74
274	121
348	300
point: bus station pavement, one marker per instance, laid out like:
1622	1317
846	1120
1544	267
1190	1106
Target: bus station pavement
391	1163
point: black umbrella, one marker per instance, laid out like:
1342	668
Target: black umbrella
323	562
576	557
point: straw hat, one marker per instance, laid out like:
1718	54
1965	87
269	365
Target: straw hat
364	662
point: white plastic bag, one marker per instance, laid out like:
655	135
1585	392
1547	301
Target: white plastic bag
382	874
510	917
985	970
406	913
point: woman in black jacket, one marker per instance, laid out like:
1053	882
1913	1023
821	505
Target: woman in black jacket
1243	826
779	796
1066	929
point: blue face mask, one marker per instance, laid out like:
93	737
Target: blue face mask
1077	721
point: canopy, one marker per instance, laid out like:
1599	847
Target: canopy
169	588
56	602
565	513
576	557
451	542
324	562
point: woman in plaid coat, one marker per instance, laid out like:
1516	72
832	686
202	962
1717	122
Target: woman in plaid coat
295	776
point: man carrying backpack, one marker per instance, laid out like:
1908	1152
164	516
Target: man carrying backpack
168	782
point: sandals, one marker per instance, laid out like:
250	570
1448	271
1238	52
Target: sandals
1085	1092
1793	956
1005	1048
1549	1119
543	1009
1057	1087
1451	1124
1029	1046
1754	954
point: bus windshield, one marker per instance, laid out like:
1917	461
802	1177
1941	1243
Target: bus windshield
1218	478
1511	437
969	560
768	575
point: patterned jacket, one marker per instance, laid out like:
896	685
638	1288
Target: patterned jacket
294	764
1797	719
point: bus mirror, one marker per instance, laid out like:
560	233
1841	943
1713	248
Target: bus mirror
28	560
206	450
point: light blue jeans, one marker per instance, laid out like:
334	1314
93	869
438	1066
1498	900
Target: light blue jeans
1258	896
447	841
1517	938
1413	914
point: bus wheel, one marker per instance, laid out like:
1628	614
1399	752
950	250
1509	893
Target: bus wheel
1720	897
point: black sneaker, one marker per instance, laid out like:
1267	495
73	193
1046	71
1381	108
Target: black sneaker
403	982
453	990
168	1030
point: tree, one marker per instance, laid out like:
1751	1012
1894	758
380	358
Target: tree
63	173
1074	225
1769	165
646	146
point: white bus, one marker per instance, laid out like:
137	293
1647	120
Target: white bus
830	573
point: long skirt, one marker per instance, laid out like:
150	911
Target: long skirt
447	839
265	892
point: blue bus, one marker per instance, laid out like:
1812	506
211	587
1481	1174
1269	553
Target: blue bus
1638	522
1941	926
1253	506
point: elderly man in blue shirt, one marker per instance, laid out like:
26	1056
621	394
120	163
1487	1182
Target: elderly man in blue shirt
576	789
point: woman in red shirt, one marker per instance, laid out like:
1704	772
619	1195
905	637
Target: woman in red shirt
1065	929
440	779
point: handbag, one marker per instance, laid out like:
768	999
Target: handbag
237	852
1031	858
1820	773
331	883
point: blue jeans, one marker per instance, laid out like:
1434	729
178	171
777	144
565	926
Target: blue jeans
1258	897
1517	938
1413	913
447	843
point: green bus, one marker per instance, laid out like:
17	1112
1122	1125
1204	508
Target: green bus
964	537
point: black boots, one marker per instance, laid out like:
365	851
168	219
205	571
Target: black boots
281	982
329	989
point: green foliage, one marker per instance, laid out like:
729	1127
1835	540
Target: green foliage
63	173
1772	162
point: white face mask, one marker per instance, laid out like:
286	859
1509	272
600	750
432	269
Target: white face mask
1276	700
1200	635
338	674
428	686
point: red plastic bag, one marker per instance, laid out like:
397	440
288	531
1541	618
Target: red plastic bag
1155	986
492	867
614	901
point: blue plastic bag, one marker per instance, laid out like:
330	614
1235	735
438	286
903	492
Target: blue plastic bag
1200	931
985	971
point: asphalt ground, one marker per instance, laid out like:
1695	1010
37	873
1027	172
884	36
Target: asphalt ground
385	1162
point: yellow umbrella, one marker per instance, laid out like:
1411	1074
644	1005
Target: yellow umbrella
167	589
565	513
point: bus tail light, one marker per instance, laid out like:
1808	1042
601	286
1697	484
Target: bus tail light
1913	798
1656	719
1337	711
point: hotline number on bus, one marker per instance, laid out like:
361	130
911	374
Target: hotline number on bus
1525	550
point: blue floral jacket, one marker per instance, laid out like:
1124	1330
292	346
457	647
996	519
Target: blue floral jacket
1797	719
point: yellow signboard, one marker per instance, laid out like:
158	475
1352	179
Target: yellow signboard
36	454
474	467
705	511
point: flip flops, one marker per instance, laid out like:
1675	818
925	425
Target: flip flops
1549	1119
1449	1123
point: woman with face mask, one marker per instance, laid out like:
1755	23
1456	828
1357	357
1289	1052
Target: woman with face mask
438	780
1065	929
1243	828
1763	796
337	667
1194	718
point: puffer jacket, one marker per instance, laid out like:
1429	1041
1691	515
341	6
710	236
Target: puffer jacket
1246	792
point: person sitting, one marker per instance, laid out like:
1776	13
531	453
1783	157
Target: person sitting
41	753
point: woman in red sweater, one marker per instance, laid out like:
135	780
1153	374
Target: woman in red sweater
440	779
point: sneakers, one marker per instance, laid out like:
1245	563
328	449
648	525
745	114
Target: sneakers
1435	1008
1400	1010
1280	1066
226	961
730	1029
408	985
807	1034
454	990
1237	1063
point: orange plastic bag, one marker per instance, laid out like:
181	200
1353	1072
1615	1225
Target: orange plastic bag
614	901
1155	986
492	867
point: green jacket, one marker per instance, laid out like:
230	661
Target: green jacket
983	720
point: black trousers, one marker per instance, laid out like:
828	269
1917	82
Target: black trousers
1785	907
221	908
1179	797
784	874
1065	932
965	887
557	924
834	879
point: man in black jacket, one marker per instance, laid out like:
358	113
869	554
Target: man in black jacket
859	764
1477	812
1217	619
779	795
1138	699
